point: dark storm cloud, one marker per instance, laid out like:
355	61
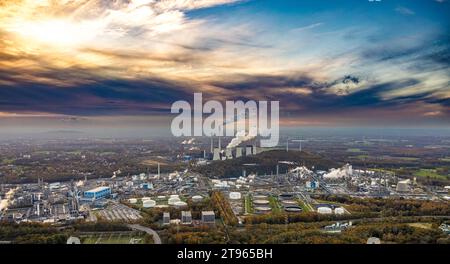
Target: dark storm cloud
320	99
99	97
252	82
430	54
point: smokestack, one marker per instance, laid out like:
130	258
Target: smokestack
287	145
220	147
212	143
159	171
277	170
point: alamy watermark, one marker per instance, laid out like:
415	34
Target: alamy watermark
242	120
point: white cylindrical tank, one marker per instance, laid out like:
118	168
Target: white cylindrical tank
145	199
174	196
173	200
132	200
339	211
324	210
148	204
197	198
180	204
260	202
235	195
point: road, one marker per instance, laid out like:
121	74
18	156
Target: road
149	231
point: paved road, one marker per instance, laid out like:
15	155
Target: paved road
147	230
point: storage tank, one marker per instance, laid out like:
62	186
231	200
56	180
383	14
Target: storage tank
261	202
149	203
132	200
339	211
235	195
262	209
173	200
259	197
197	198
289	202
180	204
324	210
161	197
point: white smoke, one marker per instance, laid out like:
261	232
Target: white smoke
240	137
188	142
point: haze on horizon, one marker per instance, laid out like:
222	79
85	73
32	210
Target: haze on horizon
121	64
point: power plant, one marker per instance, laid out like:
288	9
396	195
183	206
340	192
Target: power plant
217	153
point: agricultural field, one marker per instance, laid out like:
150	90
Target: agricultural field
431	173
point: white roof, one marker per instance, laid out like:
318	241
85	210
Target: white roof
98	189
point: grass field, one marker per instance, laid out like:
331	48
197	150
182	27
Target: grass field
354	150
248	205
406	158
275	205
303	206
113	238
430	173
421	225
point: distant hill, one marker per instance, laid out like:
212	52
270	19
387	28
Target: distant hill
265	163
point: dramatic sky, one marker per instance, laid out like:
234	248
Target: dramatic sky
329	62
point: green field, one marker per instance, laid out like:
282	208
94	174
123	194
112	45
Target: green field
303	206
406	158
275	205
113	238
446	159
248	205
432	173
354	150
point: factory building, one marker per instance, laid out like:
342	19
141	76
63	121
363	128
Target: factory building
208	217
166	218
97	193
403	186
186	217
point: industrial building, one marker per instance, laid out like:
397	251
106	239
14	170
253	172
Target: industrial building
186	217
166	218
208	217
97	193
